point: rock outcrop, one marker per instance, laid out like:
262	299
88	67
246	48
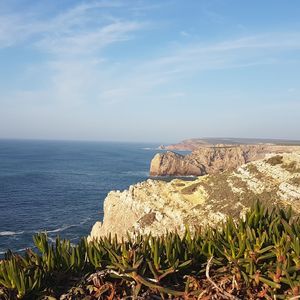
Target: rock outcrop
211	160
158	206
171	163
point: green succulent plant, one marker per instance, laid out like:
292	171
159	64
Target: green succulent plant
260	253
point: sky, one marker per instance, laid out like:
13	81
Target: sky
149	70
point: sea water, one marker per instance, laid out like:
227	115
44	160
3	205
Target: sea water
59	186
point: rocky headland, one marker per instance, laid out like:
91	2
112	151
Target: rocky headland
193	144
158	206
212	159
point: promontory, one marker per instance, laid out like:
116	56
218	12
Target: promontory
158	206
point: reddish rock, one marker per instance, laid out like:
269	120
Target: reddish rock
211	160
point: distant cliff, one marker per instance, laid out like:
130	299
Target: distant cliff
211	159
186	145
158	206
192	144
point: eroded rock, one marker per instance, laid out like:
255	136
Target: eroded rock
157	206
211	160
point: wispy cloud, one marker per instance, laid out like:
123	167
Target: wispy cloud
184	33
213	16
186	61
80	27
74	39
77	79
87	42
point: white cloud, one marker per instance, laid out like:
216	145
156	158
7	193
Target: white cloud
186	61
74	38
89	41
184	33
86	21
79	79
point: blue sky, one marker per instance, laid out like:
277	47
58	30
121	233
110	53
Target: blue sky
149	70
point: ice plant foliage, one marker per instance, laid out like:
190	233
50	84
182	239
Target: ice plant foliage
255	257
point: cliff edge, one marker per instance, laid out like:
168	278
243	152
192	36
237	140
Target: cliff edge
211	160
157	206
193	144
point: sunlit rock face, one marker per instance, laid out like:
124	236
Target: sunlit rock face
157	206
211	159
174	164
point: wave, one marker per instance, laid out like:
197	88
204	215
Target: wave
85	220
21	250
61	229
57	229
10	233
15	251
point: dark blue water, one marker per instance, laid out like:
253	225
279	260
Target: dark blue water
59	187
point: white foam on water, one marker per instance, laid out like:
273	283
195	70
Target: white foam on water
10	233
84	221
61	229
22	249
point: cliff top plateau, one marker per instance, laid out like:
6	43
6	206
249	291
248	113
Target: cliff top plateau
192	144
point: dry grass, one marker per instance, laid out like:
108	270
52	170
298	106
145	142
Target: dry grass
254	171
190	189
275	160
295	181
292	167
147	220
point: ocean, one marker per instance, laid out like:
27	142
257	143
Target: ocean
59	186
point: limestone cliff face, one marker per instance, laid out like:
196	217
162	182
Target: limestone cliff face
157	206
211	160
171	163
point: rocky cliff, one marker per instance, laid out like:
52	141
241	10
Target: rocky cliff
171	163
211	160
158	206
193	144
186	145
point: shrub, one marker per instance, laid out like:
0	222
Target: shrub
258	257
275	160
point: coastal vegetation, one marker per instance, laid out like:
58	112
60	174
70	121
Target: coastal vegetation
257	257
